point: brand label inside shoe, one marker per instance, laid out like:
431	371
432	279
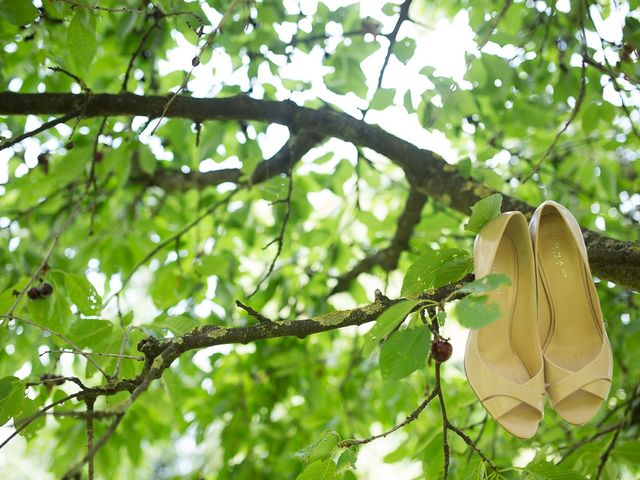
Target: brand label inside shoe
558	257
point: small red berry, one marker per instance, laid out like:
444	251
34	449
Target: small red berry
441	350
34	294
46	289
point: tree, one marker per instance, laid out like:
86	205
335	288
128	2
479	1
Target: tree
171	273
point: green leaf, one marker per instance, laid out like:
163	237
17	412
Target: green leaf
631	31
474	470
390	9
404	49
408	102
347	459
549	471
386	323
476	312
83	294
178	325
464	167
487	283
90	333
30	408
169	285
590	118
81	37
382	99
11	398
148	162
435	269
483	211
404	352
628	451
18	12
321	448
319	470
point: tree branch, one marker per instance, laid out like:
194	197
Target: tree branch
75	469
410	418
614	260
297	146
392	37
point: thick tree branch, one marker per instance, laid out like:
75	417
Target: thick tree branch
300	143
429	174
160	353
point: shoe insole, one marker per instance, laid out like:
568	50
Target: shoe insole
574	337
494	340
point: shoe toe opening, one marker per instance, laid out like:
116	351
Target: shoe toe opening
579	407
522	421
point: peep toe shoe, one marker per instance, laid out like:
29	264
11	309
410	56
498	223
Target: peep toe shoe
503	360
575	348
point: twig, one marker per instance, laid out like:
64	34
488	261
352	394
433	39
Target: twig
613	76
578	103
601	433
45	261
97	414
445	424
139	358
143	40
605	456
410	418
74	470
77	79
61	337
37	415
91	179
279	239
41	128
57	380
75	4
472	444
255	314
626	419
206	45
483	429
89	419
170	240
18	214
392	37
123	345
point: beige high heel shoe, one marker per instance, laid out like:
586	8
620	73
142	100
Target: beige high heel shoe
503	361
576	350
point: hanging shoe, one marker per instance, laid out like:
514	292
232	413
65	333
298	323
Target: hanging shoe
503	360
576	350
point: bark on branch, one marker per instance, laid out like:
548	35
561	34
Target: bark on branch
614	260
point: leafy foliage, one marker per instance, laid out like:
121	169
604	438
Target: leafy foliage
404	352
483	211
149	226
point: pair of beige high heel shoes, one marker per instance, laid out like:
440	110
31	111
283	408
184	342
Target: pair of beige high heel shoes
550	334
